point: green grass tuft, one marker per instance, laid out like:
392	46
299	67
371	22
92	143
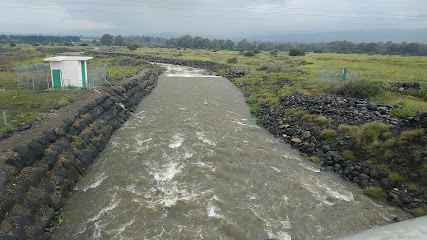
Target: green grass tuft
328	134
319	120
62	218
348	130
374	192
348	155
369	133
412	135
402	112
295	112
419	212
314	159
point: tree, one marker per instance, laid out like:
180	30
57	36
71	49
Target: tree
133	46
296	52
119	40
107	39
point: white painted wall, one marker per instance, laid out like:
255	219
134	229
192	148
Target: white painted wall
71	72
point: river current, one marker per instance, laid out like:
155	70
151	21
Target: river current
191	163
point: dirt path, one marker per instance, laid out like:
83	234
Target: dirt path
52	120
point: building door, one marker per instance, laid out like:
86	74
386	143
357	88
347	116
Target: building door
84	73
56	75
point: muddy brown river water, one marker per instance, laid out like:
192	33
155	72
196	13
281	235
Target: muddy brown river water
192	164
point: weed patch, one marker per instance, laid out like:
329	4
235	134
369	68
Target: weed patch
374	192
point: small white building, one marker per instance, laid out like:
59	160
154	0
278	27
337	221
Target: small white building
68	70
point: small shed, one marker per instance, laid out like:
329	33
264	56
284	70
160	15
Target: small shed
68	70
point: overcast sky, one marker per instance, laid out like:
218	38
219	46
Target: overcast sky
222	18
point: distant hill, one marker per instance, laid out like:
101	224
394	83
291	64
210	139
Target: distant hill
395	35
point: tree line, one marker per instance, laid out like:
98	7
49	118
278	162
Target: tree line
38	39
415	49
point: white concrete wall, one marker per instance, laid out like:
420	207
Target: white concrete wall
71	72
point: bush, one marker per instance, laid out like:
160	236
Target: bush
348	155
84	44
369	133
328	133
402	112
374	192
232	60
133	46
274	52
296	52
360	89
249	54
12	44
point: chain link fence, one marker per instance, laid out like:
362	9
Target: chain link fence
97	76
33	76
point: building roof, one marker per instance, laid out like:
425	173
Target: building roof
67	58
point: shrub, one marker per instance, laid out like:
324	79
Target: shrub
133	46
314	159
328	133
232	60
257	51
418	212
369	133
295	112
84	44
249	54
360	89
348	155
412	135
402	112
296	52
12	44
374	192
348	130
274	52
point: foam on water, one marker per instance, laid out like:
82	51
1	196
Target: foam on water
201	136
184	72
97	181
311	168
211	208
176	141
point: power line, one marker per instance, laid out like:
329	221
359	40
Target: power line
172	15
248	7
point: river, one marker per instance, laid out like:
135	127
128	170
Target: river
191	163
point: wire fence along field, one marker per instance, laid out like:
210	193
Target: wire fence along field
37	76
33	76
97	75
334	78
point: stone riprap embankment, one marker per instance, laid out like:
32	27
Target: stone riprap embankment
43	173
306	135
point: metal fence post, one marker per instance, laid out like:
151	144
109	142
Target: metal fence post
4	119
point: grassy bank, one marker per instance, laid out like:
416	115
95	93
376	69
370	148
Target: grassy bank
24	106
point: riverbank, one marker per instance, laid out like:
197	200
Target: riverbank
358	139
48	159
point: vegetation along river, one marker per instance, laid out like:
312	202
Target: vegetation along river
192	164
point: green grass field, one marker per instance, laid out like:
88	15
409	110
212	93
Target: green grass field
266	72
